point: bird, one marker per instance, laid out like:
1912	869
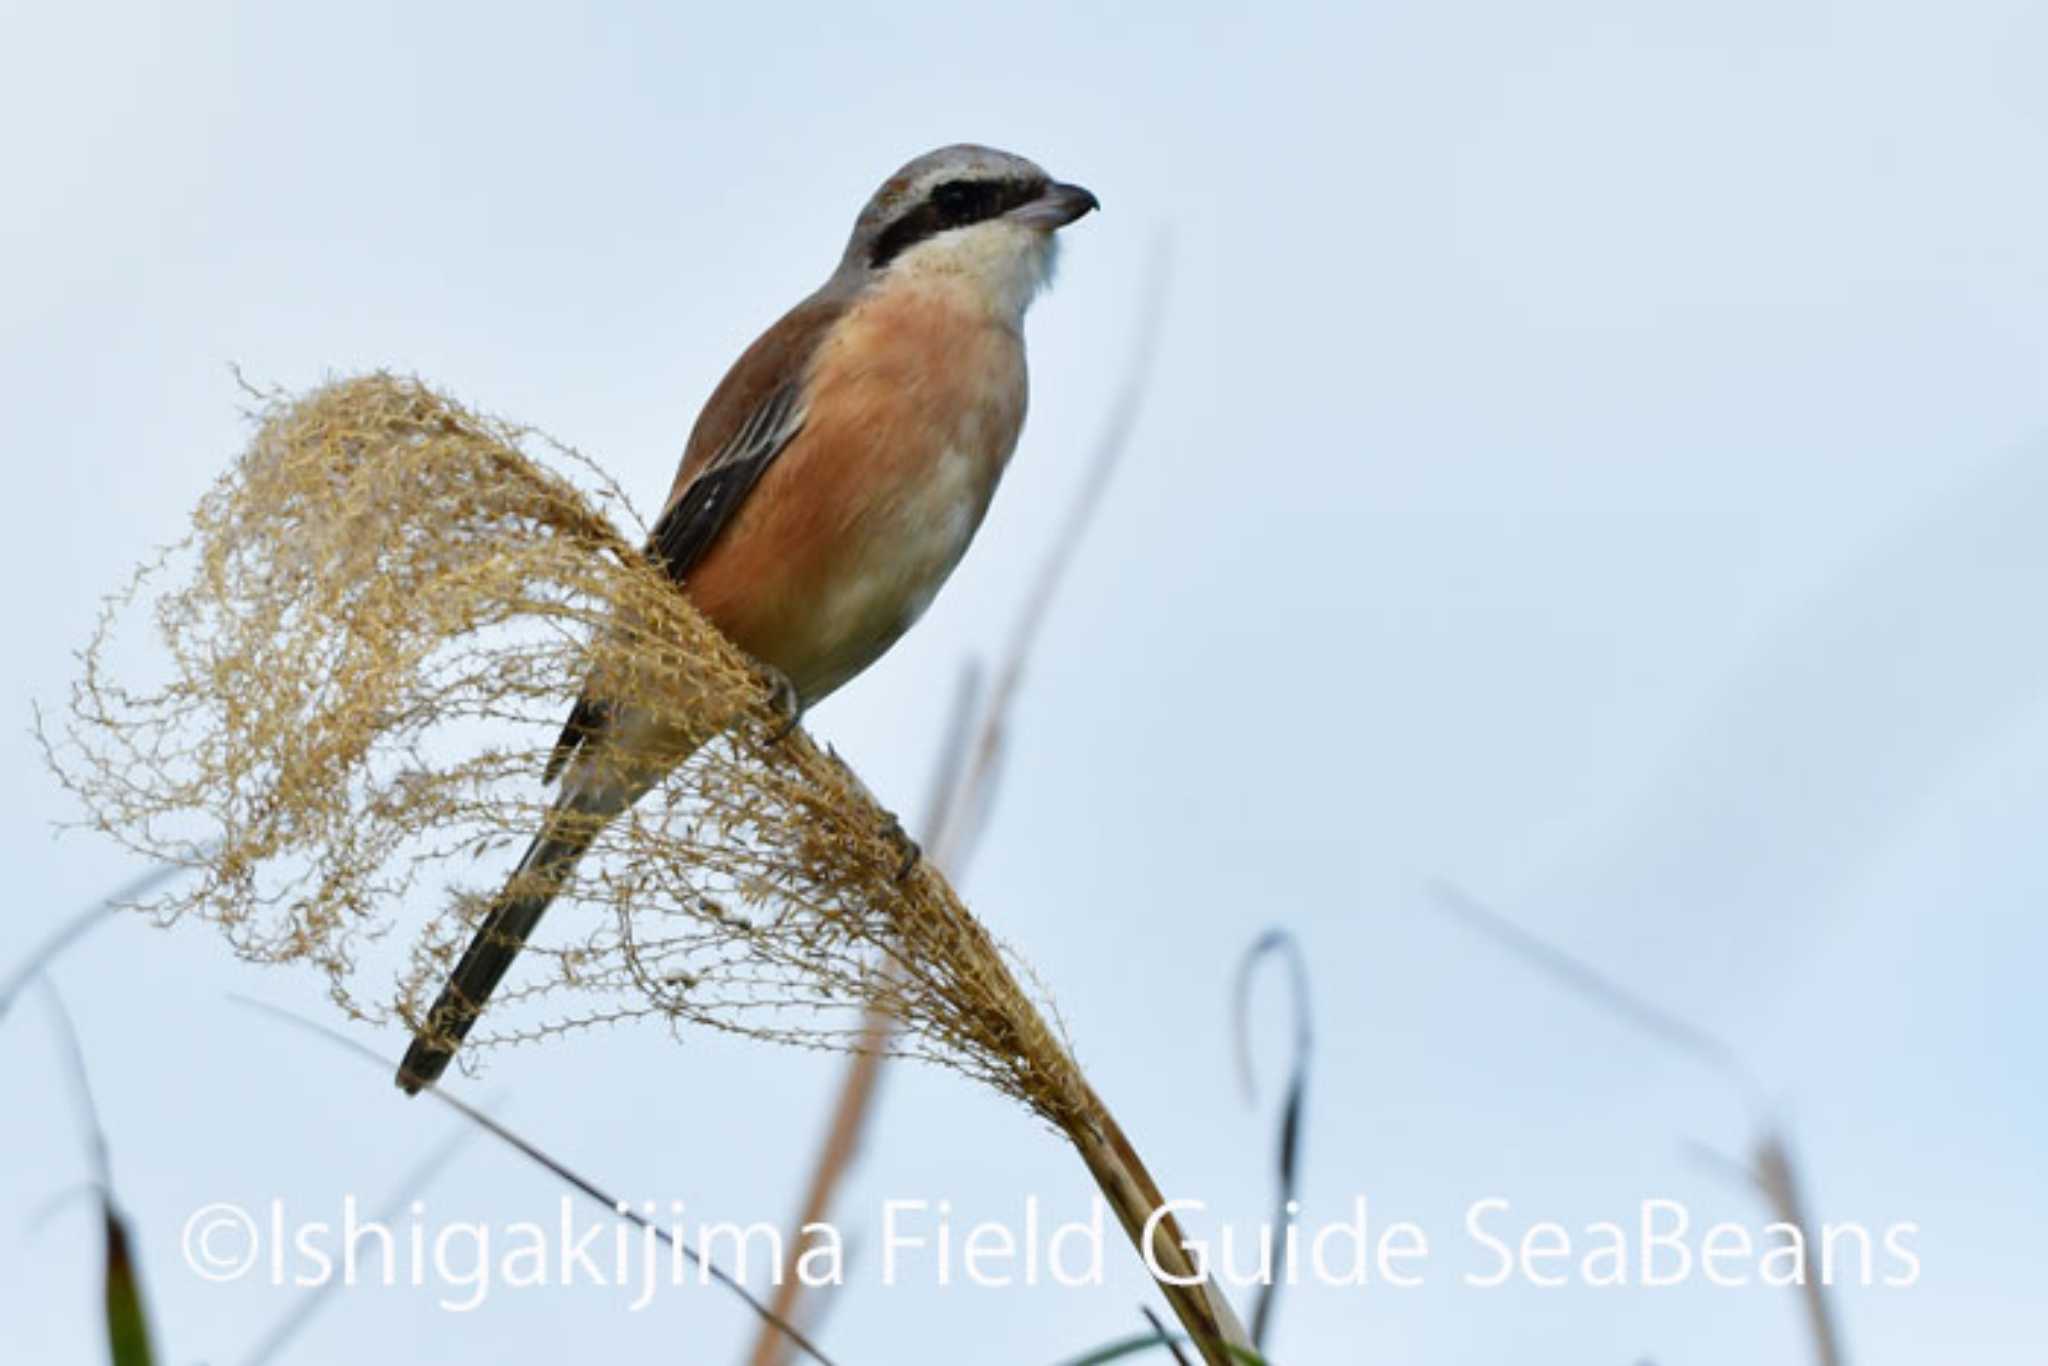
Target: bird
831	483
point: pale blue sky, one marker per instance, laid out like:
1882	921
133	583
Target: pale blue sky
1597	455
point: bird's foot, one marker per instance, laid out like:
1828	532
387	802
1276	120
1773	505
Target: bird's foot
784	698
912	852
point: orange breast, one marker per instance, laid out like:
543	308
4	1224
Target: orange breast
915	402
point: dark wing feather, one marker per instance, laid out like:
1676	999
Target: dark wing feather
692	524
694	520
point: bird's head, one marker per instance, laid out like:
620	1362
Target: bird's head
967	212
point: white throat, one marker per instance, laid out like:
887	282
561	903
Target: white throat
1001	264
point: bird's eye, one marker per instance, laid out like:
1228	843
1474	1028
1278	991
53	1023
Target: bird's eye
960	200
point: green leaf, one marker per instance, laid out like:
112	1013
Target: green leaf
128	1342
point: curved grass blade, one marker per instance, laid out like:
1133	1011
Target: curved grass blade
126	1315
1287	1146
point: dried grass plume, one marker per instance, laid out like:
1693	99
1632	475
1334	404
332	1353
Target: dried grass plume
381	609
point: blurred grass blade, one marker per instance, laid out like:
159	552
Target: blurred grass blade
74	929
978	783
1773	1173
559	1169
1124	1347
1777	1176
1146	1342
1594	986
1160	1328
310	1300
863	1074
1287	1147
127	1319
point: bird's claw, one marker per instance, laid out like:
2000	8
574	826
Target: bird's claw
784	698
913	854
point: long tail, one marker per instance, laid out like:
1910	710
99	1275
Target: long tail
532	887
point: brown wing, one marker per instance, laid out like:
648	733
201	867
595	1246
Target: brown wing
753	414
779	356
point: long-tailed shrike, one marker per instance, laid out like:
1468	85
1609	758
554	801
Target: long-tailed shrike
830	485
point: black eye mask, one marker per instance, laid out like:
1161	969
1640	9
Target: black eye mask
952	204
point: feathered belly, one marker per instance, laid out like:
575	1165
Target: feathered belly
889	567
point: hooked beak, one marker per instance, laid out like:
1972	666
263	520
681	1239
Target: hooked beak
1058	206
